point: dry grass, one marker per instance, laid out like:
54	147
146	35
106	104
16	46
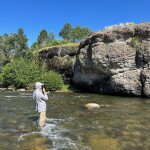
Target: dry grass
63	45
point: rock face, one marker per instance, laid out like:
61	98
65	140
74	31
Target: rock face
116	61
60	59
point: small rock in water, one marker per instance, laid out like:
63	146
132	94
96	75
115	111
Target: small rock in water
11	89
92	105
21	90
3	89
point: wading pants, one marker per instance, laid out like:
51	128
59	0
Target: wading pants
42	119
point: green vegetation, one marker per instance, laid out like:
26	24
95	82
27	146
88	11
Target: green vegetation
42	38
51	38
135	42
79	33
68	87
65	33
22	73
65	87
19	64
52	80
75	34
13	45
61	45
20	44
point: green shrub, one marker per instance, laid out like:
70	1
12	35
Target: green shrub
57	43
135	42
63	42
52	80
23	74
20	73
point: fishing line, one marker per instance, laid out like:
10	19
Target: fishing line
66	114
61	110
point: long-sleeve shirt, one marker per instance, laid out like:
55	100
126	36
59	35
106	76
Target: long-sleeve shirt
40	100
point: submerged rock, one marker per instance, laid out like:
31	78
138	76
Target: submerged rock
103	143
115	61
34	142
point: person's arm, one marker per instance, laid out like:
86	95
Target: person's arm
44	96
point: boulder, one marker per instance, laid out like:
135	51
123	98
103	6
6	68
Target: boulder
92	106
111	61
115	60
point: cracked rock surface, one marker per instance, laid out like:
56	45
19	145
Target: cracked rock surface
115	61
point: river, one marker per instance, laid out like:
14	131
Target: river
121	123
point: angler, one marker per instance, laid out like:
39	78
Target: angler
40	97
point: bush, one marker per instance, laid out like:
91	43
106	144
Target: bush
23	74
135	42
55	43
58	42
52	80
20	73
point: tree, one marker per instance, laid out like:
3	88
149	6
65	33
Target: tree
7	45
20	43
42	38
20	73
86	32
51	38
35	46
79	33
66	32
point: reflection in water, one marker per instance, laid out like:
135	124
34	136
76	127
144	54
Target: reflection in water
121	123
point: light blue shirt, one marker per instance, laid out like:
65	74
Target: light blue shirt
39	98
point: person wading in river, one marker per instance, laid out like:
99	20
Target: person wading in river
40	97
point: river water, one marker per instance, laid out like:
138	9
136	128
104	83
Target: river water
121	123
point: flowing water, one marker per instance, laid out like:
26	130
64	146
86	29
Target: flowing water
121	123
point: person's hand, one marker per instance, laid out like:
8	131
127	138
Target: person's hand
44	91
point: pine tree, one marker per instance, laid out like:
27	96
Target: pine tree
42	38
21	43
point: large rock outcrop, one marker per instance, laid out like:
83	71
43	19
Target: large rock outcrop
60	59
115	61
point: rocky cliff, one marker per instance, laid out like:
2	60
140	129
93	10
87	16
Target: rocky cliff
60	59
116	61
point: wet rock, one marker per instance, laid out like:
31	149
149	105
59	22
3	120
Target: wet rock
92	106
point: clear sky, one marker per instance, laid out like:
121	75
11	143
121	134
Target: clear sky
35	15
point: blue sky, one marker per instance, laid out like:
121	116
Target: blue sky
35	15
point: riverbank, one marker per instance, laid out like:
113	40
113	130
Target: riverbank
65	89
